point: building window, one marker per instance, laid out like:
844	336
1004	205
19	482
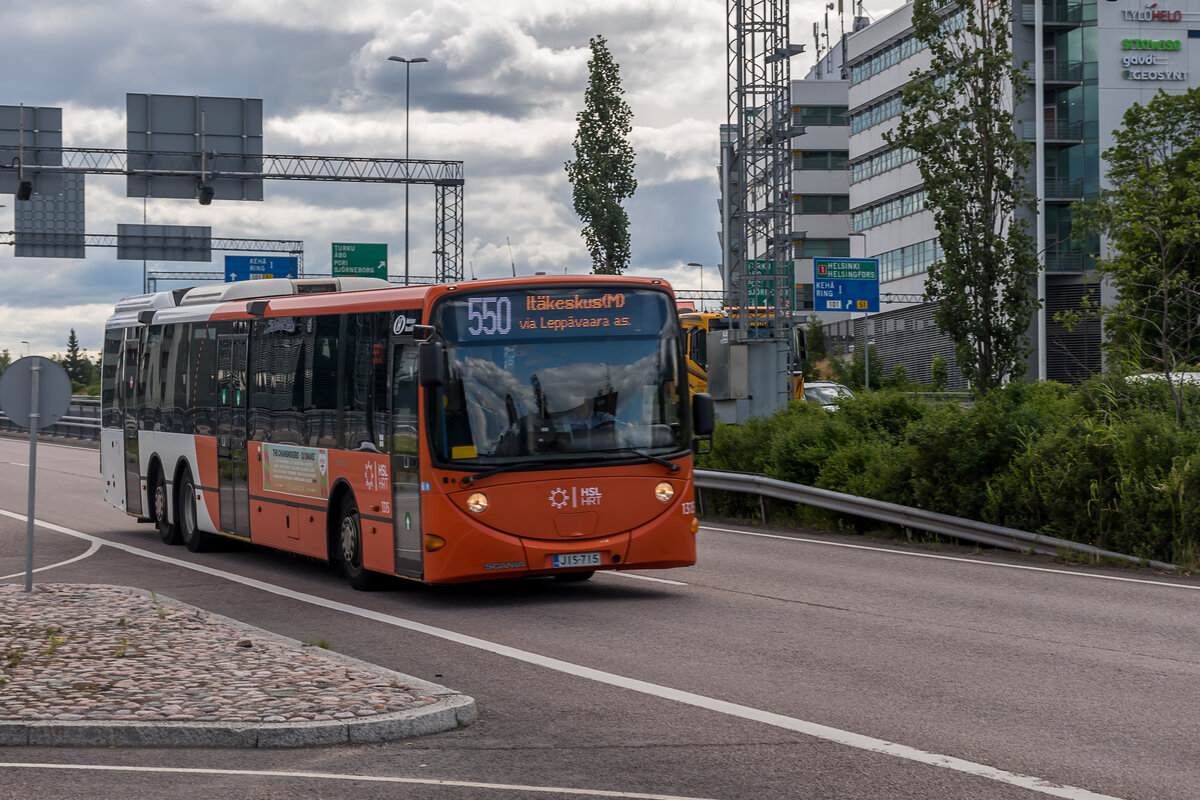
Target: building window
896	52
876	113
881	163
888	210
822	248
910	260
822	203
820	159
820	115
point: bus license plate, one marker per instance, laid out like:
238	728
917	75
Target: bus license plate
577	560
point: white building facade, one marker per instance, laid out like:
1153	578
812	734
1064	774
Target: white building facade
1097	57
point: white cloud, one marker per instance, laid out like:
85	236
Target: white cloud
504	81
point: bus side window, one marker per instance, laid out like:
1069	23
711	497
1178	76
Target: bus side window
363	332
203	376
110	396
404	401
176	341
698	347
322	412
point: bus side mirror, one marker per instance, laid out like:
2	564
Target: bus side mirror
703	414
432	364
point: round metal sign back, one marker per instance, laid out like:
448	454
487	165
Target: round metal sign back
54	391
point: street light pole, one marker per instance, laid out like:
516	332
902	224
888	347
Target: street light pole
701	266
406	62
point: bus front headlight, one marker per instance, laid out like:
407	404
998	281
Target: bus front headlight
477	503
664	492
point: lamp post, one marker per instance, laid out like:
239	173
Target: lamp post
407	62
439	263
701	266
26	347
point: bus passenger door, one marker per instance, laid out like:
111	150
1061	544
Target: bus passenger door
404	447
131	403
231	435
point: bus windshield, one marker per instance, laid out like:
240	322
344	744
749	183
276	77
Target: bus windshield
559	373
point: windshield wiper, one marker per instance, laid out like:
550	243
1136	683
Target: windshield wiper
541	462
671	465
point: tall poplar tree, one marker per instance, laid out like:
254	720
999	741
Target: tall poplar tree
958	120
602	173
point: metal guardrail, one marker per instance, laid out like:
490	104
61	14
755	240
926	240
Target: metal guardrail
905	516
81	422
86	425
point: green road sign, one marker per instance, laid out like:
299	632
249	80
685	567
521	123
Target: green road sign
360	260
760	292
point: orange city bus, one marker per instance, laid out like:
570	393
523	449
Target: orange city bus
451	433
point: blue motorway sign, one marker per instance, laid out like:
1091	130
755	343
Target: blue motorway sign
845	284
241	268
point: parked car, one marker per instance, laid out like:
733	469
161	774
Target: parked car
826	393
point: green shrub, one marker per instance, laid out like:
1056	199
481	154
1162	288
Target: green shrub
1103	464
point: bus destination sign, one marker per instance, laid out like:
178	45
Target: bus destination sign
542	314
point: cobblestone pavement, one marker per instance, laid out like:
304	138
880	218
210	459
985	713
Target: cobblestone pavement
122	665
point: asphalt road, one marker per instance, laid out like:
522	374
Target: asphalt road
783	665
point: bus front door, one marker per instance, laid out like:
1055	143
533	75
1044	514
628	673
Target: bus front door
231	435
404	447
131	402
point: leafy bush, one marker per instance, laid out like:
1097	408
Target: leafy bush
1104	463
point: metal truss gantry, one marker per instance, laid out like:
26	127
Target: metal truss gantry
290	246
154	276
445	176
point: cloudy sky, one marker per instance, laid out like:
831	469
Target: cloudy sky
504	81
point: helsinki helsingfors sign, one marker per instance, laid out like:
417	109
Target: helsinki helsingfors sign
845	284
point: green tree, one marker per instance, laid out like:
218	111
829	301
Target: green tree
5	360
958	121
939	371
602	173
77	366
1152	218
853	373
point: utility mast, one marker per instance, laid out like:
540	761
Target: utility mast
756	156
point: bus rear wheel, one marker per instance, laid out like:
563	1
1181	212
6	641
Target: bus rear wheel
349	548
196	540
167	531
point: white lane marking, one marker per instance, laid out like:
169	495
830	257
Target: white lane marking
643	578
18	464
894	552
813	729
336	776
91	550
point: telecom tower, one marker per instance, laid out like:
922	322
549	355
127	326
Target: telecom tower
757	176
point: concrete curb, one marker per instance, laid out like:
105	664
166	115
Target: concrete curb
450	710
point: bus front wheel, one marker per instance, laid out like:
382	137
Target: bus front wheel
167	531
196	540
349	548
